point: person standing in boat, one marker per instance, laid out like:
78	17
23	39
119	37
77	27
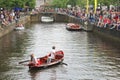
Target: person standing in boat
33	59
51	56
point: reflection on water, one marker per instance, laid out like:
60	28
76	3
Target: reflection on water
88	56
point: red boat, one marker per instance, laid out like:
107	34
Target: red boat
73	27
42	61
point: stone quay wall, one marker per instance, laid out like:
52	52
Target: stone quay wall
11	26
59	17
110	34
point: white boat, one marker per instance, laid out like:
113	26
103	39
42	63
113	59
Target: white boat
47	19
20	27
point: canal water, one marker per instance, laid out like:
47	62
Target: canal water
88	57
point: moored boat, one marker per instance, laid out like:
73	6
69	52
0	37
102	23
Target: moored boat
42	61
73	27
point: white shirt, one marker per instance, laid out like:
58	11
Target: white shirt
52	54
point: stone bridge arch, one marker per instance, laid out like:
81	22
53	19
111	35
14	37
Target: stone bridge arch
61	17
58	17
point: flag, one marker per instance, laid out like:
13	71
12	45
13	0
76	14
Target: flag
87	6
95	6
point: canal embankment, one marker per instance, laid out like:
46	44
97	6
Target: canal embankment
110	34
11	26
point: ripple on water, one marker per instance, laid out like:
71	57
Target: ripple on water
88	57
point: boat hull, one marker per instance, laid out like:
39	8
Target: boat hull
73	27
44	66
19	28
42	62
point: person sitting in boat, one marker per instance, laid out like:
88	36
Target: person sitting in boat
34	59
20	25
51	56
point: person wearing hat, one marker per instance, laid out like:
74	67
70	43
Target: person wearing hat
51	56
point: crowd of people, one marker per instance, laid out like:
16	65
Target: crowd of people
109	19
50	57
8	16
103	18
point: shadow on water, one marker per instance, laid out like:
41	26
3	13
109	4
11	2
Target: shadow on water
107	41
8	50
107	50
103	43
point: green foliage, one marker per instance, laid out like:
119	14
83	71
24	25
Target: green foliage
106	2
59	3
64	3
72	2
82	3
17	3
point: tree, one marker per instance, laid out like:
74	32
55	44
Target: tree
59	3
82	3
72	2
17	3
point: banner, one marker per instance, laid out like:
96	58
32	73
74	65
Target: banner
95	7
87	6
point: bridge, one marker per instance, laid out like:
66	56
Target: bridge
61	17
58	17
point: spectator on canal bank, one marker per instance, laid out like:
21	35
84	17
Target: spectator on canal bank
8	16
4	22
